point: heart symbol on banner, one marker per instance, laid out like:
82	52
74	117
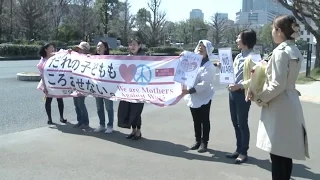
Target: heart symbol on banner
188	67
127	72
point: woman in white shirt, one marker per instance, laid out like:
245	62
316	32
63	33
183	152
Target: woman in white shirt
200	96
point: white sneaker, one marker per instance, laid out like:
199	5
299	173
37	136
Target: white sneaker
100	129
109	130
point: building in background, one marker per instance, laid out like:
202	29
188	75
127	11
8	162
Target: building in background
222	16
247	5
197	14
259	12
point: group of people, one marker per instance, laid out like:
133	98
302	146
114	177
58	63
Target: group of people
281	131
129	113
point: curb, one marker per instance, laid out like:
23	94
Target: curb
310	99
19	58
28	76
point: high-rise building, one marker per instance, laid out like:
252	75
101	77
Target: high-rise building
197	14
247	5
269	6
222	16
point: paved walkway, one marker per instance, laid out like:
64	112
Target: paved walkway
310	92
63	153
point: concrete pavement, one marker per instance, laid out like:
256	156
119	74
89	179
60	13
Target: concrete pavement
310	92
60	152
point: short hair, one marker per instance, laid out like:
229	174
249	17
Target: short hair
42	51
285	23
106	47
248	38
136	39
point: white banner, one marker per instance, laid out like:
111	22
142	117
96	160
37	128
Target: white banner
130	78
226	70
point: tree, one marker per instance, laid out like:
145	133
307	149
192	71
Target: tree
233	31
183	32
156	22
265	36
124	23
142	17
304	10
58	8
107	11
218	26
302	44
30	13
1	17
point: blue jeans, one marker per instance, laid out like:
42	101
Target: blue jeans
81	110
239	110
100	110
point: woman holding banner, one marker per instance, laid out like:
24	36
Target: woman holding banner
239	107
200	95
45	53
103	49
79	102
129	113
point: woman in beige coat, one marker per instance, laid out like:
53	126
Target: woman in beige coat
282	130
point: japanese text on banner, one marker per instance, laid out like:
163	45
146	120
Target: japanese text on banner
129	78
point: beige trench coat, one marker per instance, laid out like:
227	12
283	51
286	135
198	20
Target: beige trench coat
282	130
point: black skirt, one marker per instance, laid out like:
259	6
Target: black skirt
129	114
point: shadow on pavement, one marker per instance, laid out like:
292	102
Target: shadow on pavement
176	150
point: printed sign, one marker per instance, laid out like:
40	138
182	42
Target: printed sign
187	69
226	70
130	78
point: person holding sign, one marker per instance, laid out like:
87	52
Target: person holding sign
79	102
129	113
103	49
200	95
239	107
282	129
45	53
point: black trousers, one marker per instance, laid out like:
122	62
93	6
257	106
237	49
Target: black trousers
48	107
281	167
201	122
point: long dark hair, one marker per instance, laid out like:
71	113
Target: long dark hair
136	39
106	48
42	51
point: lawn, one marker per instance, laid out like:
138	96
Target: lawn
314	76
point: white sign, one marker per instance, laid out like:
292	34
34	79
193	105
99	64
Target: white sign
226	70
256	58
130	78
187	69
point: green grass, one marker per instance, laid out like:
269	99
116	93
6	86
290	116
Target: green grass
314	76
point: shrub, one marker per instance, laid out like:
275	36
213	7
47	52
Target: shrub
19	50
165	49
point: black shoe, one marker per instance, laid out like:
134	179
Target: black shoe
63	120
203	148
130	136
135	137
241	160
195	146
233	155
50	122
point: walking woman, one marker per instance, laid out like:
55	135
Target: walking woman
239	107
129	113
103	49
79	102
200	95
282	129
45	53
